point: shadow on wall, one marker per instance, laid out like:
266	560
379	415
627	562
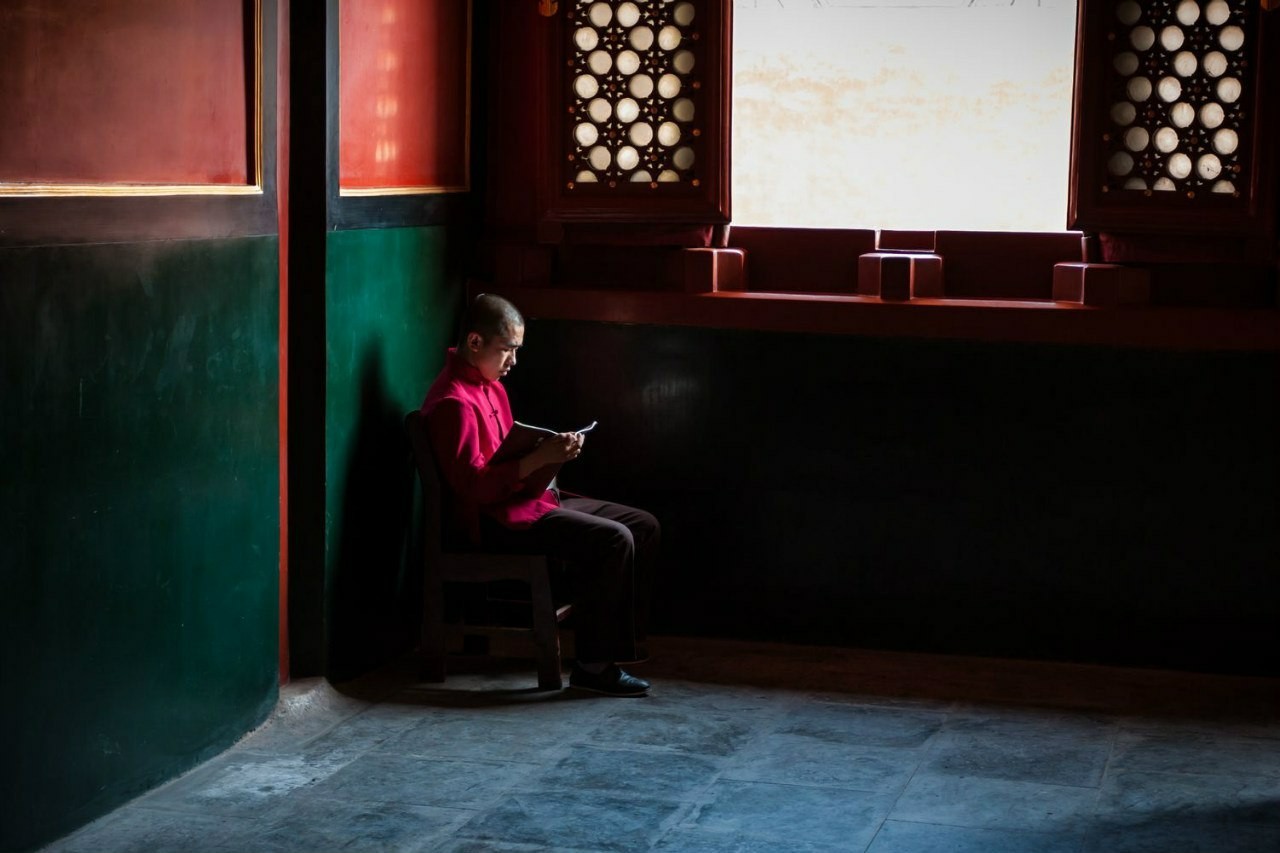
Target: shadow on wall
373	603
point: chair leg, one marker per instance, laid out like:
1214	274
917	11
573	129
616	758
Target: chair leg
546	632
431	647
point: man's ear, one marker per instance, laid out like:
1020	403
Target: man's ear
475	341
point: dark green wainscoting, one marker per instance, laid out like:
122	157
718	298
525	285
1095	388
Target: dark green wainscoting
392	302
1077	503
139	515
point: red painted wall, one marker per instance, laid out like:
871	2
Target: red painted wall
150	91
403	93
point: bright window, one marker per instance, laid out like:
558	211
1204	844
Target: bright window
906	114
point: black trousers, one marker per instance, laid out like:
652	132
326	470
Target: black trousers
609	551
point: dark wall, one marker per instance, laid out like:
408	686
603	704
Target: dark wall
1074	503
392	297
138	518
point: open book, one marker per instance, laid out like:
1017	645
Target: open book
520	442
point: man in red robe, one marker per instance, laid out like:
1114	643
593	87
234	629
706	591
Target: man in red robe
608	548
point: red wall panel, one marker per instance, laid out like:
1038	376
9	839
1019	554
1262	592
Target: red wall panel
144	91
403	93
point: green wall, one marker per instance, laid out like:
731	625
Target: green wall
139	511
391	302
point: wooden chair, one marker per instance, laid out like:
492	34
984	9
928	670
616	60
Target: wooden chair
442	565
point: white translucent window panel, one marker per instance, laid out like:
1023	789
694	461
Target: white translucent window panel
948	115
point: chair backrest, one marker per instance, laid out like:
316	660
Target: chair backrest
424	458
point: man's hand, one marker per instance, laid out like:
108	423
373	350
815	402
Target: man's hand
560	447
553	449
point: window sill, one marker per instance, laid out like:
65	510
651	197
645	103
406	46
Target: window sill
1009	321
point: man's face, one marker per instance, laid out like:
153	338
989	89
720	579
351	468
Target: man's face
495	357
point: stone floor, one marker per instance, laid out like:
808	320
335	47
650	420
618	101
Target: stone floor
741	747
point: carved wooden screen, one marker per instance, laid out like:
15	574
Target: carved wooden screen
641	117
1170	130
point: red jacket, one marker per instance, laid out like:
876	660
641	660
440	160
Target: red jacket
467	416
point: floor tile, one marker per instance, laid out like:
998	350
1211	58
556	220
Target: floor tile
364	731
659	775
993	803
742	747
140	830
486	736
798	760
1050	749
580	820
1130	797
786	813
1015	721
1196	752
472	845
684	840
901	837
866	725
406	779
246	784
690	730
742	700
321	824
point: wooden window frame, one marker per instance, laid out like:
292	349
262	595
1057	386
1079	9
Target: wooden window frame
1216	286
709	202
1090	208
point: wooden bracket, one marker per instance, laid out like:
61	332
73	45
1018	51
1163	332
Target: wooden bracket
900	275
713	270
1101	284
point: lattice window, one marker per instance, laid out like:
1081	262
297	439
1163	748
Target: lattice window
635	99
1179	83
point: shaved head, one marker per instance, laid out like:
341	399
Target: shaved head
489	316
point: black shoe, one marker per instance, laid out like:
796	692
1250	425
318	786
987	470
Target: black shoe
612	682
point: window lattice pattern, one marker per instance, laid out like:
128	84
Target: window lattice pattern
634	95
1179	71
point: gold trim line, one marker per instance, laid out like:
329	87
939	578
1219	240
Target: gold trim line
63	190
373	191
